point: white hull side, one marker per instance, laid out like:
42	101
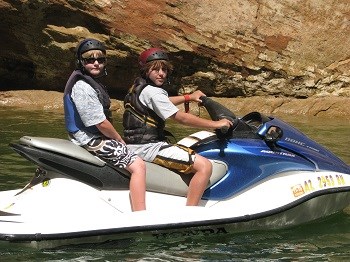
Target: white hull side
65	211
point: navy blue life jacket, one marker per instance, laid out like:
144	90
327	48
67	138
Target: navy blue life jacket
72	118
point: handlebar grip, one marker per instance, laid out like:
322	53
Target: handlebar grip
224	129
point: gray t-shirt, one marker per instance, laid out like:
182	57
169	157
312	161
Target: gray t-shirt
89	108
156	99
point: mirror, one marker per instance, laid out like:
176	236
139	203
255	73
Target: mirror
273	134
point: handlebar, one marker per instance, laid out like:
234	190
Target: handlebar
217	112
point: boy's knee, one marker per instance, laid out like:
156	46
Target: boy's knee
204	164
140	163
209	165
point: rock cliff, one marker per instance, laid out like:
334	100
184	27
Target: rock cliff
225	48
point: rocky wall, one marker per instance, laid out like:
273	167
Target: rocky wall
226	48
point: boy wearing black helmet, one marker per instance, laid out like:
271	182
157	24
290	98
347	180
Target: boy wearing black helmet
88	118
147	106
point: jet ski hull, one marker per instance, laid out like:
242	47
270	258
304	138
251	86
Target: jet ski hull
96	216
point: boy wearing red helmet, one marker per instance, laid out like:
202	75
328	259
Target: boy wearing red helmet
147	106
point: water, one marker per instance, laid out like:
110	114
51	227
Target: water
326	240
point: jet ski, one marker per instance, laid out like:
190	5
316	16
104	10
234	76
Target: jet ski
266	175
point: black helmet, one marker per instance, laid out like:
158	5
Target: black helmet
87	45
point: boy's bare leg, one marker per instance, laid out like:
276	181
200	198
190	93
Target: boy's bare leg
138	185
203	169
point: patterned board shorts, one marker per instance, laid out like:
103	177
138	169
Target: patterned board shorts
111	151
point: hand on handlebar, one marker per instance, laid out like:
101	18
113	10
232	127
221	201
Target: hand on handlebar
224	122
224	125
195	96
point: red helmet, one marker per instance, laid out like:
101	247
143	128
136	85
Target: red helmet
151	55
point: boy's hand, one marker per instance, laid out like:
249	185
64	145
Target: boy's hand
196	95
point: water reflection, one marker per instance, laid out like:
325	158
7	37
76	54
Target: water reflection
16	171
327	240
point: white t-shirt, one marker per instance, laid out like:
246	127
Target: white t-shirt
156	99
89	108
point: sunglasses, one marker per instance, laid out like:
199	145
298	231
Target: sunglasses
91	60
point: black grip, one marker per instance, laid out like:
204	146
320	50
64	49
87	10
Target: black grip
224	129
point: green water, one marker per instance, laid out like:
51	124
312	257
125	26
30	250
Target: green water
327	240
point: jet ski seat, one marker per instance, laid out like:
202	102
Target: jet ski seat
101	175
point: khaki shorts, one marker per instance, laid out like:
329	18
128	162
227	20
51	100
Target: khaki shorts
176	157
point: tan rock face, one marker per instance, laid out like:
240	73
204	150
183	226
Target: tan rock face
225	48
